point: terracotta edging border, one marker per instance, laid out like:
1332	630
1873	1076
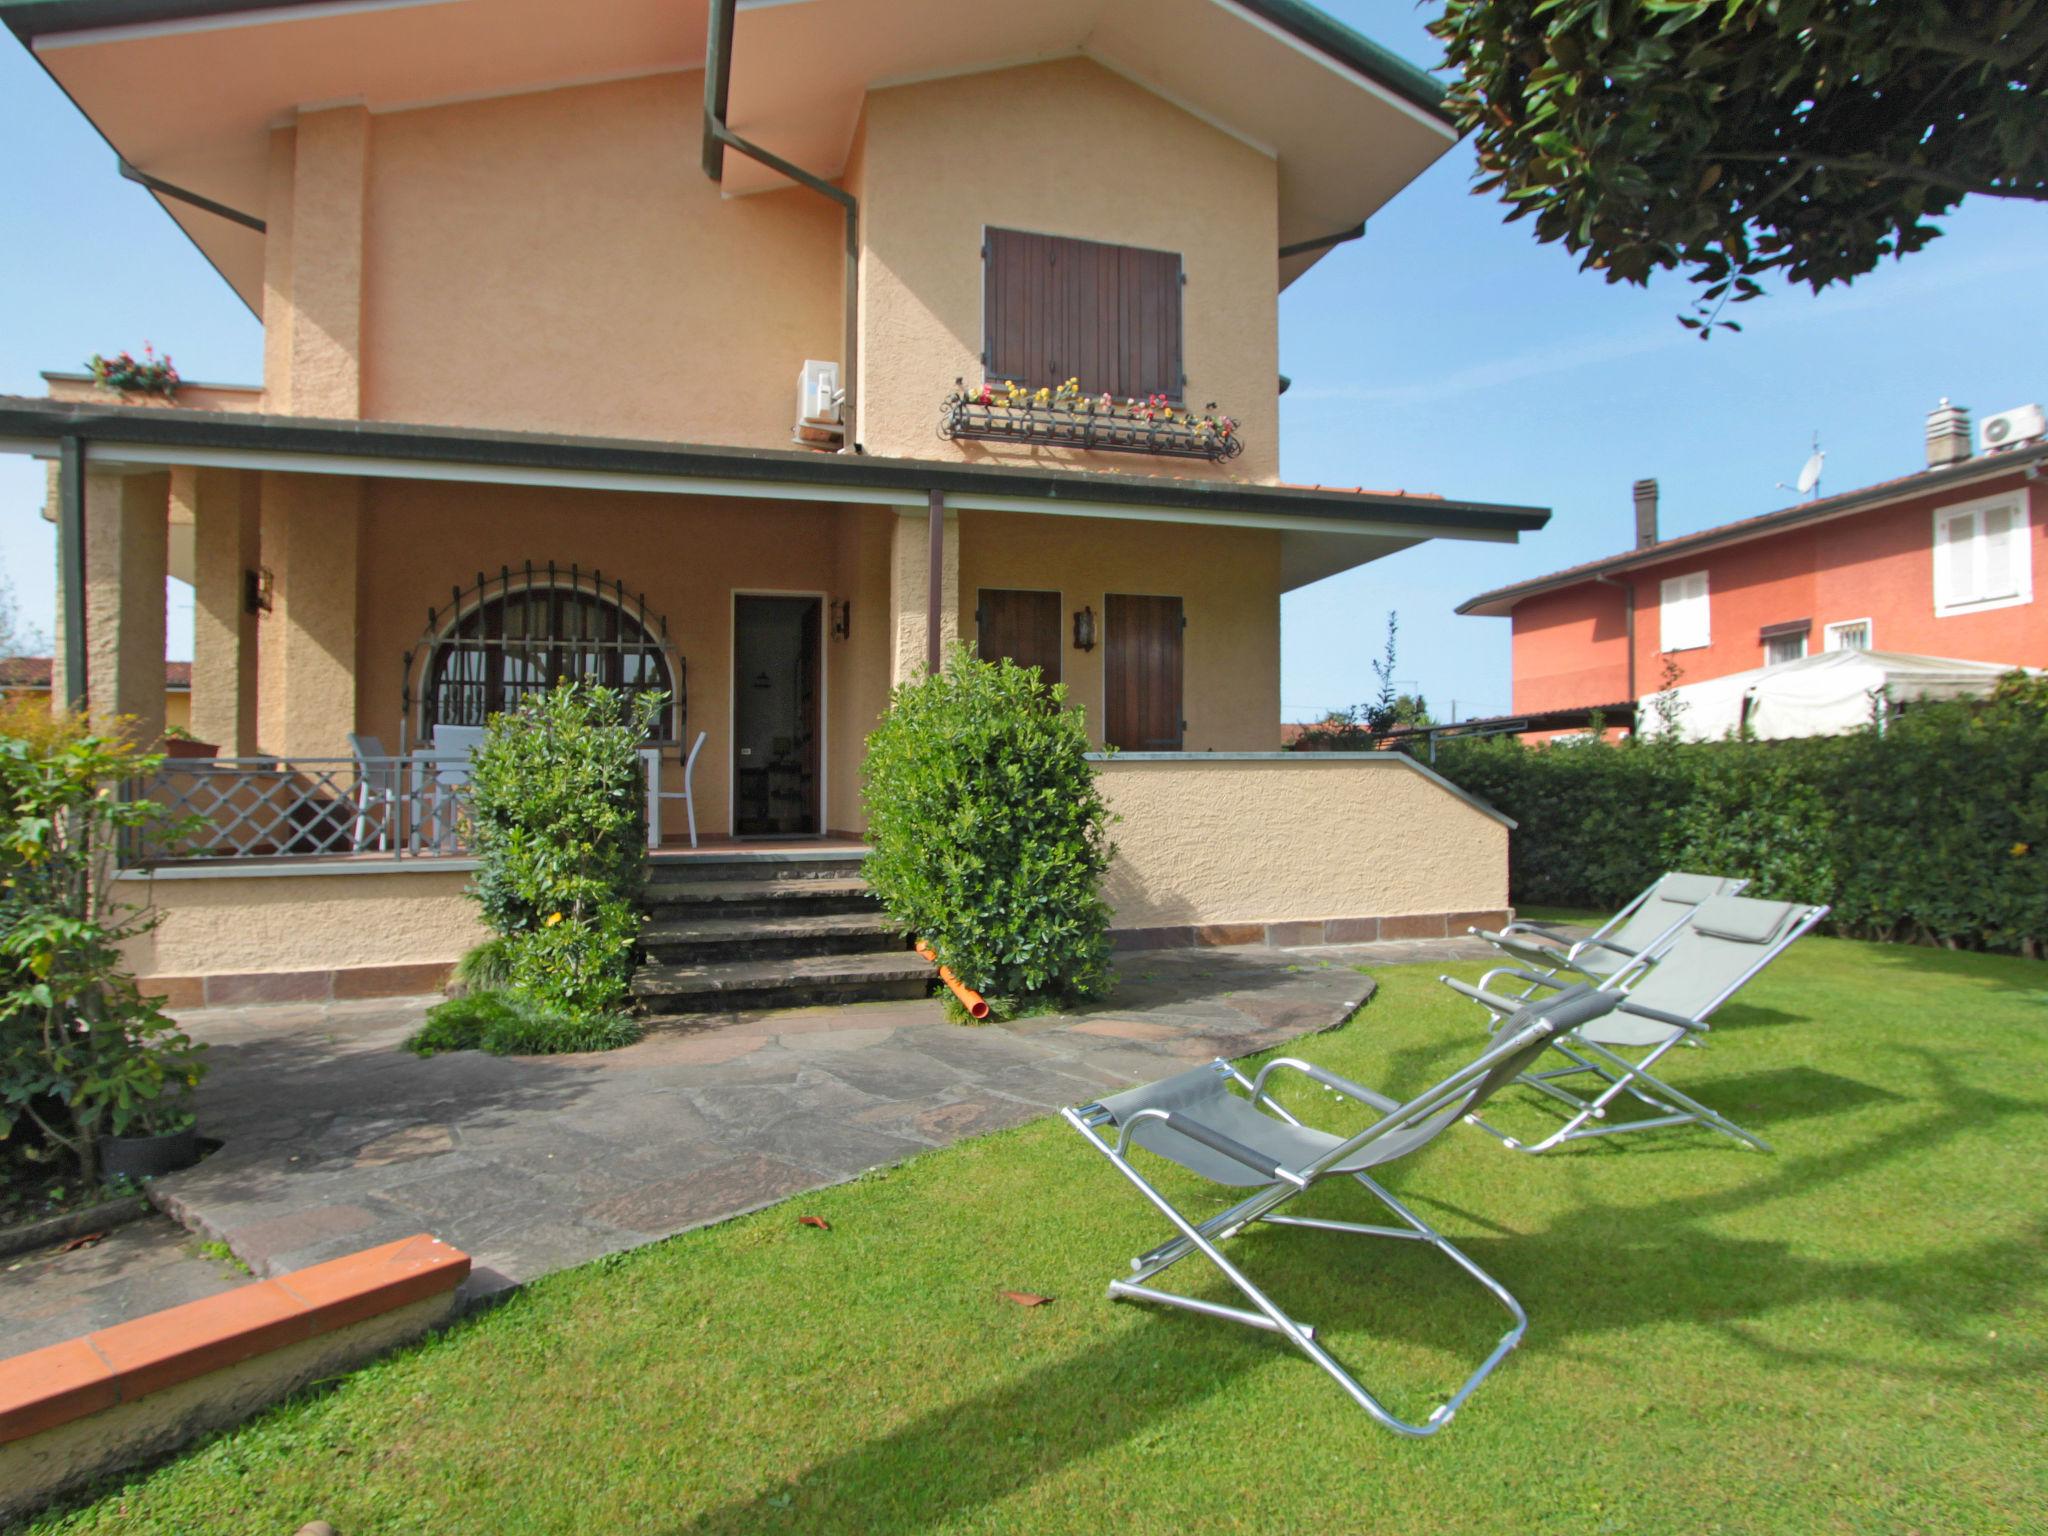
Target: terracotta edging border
342	984
50	1387
1303	933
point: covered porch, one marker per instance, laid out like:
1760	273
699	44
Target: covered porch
367	594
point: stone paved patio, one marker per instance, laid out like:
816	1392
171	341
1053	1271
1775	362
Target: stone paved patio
337	1140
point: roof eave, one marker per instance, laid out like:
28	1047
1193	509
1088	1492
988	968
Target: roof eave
1501	601
49	421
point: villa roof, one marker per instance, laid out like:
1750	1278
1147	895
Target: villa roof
188	91
36	671
1501	601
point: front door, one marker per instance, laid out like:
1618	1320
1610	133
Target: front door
1024	626
1141	673
776	719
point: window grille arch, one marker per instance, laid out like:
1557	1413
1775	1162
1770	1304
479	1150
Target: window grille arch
507	637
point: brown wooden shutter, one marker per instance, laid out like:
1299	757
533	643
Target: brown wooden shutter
1024	626
1141	673
1107	315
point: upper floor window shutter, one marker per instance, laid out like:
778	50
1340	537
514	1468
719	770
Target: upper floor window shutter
1981	556
1682	613
1055	309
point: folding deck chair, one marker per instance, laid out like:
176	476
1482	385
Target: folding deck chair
1637	929
1196	1121
1668	996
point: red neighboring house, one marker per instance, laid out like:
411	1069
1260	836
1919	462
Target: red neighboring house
1943	562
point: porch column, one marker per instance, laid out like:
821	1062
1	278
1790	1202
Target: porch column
306	688
127	552
223	508
910	589
331	151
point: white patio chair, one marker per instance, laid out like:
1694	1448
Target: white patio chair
1637	929
444	769
1196	1121
1665	1000
656	794
376	792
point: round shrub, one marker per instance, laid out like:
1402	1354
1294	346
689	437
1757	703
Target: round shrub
989	835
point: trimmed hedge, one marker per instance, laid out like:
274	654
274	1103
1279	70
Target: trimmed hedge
1935	831
989	835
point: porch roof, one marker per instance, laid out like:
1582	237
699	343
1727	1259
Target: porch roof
1325	530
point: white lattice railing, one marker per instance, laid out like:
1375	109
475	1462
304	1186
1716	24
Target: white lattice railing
270	807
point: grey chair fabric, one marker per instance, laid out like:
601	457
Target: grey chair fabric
1228	1130
1632	932
1728	940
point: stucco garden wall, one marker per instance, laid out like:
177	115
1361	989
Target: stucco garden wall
1296	838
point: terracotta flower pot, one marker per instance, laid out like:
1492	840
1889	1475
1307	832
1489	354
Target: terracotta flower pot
177	746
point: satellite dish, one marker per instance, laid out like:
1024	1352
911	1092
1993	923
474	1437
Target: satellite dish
1809	473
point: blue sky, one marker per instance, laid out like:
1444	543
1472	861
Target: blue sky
1446	352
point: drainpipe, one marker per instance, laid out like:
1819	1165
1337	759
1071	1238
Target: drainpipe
71	566
1628	591
935	583
718	138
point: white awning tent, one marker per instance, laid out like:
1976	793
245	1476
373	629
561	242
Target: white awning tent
1824	695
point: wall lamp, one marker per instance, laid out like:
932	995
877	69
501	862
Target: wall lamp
1084	630
258	589
842	618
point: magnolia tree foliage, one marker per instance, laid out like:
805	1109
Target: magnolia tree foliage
1731	138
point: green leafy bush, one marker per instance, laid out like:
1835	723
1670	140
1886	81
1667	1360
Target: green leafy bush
83	1054
989	835
557	808
505	1025
1934	830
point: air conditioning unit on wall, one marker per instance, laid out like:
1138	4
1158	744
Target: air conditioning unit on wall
818	398
2008	429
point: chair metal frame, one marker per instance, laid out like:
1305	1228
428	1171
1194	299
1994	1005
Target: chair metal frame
1428	1114
1564	953
1614	1072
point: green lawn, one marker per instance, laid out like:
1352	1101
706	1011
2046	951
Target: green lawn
1847	1335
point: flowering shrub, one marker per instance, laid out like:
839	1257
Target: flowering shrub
557	811
152	376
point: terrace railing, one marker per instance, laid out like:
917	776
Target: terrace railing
305	807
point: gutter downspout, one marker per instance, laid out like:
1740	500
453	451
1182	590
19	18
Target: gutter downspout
718	137
71	567
1628	590
1323	242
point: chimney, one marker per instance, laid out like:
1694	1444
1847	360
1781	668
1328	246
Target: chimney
1646	512
1948	434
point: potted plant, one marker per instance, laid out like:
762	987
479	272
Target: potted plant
181	743
159	1136
153	375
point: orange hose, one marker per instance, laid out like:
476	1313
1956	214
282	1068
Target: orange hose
975	1004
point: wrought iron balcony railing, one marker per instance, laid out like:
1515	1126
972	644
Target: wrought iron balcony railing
1066	420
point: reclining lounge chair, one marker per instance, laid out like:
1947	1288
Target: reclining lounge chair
1638	929
1726	942
1249	1140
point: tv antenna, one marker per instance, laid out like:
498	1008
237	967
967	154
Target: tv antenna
1809	473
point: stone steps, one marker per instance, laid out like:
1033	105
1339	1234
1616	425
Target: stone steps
695	940
798	981
757	897
744	932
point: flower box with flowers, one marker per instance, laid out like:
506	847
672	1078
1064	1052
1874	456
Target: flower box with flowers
153	375
1067	417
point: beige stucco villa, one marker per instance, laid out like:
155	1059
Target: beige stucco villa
646	340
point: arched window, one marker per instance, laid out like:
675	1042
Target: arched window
513	637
